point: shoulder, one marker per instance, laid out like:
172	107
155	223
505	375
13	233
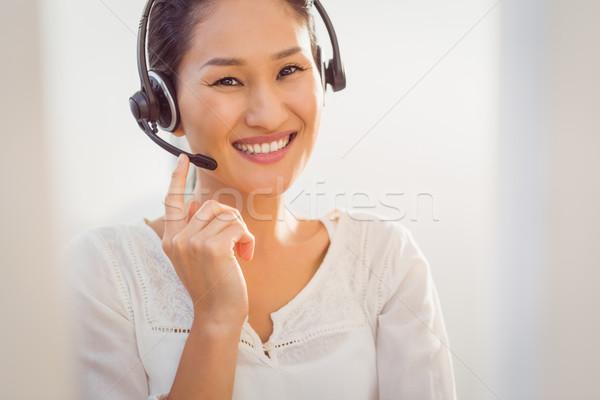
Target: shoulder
96	259
97	244
387	251
375	233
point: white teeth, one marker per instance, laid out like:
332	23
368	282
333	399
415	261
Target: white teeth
264	148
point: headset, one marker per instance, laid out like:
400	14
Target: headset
156	102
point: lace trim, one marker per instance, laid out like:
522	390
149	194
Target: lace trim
117	272
383	291
380	279
335	301
170	330
167	304
139	276
321	332
362	258
329	307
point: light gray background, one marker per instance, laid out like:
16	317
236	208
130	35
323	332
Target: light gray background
489	109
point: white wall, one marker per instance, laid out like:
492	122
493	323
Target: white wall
570	319
32	335
108	170
548	256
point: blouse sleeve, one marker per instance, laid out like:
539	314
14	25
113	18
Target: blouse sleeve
108	365
413	357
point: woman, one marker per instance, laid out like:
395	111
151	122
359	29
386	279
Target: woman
229	295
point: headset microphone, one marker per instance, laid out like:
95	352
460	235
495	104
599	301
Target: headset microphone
156	102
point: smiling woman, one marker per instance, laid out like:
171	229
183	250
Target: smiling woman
229	294
256	91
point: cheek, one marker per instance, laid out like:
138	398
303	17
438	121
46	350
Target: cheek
208	117
307	102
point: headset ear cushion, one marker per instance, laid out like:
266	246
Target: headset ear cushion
164	91
321	67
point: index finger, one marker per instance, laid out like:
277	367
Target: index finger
175	218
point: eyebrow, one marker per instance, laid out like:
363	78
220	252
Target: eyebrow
219	61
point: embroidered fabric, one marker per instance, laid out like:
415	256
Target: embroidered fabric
328	307
168	306
324	306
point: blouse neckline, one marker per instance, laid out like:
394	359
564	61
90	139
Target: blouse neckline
279	315
332	222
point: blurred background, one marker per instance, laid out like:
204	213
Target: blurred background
474	123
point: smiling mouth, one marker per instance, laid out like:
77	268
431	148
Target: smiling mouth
266	147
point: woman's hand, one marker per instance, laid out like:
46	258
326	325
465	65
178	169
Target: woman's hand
201	247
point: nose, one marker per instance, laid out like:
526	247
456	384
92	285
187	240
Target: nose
266	108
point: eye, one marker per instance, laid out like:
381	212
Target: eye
288	70
226	81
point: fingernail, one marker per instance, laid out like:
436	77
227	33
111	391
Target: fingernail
180	160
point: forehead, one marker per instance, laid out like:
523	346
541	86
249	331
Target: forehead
248	29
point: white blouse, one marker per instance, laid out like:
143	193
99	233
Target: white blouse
368	325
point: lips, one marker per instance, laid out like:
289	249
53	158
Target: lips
264	139
266	153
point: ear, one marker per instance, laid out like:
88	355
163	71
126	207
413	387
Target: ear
178	131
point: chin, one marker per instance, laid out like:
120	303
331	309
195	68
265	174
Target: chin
267	185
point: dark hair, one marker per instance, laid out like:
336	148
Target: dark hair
172	23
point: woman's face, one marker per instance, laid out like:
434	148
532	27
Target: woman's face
250	76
